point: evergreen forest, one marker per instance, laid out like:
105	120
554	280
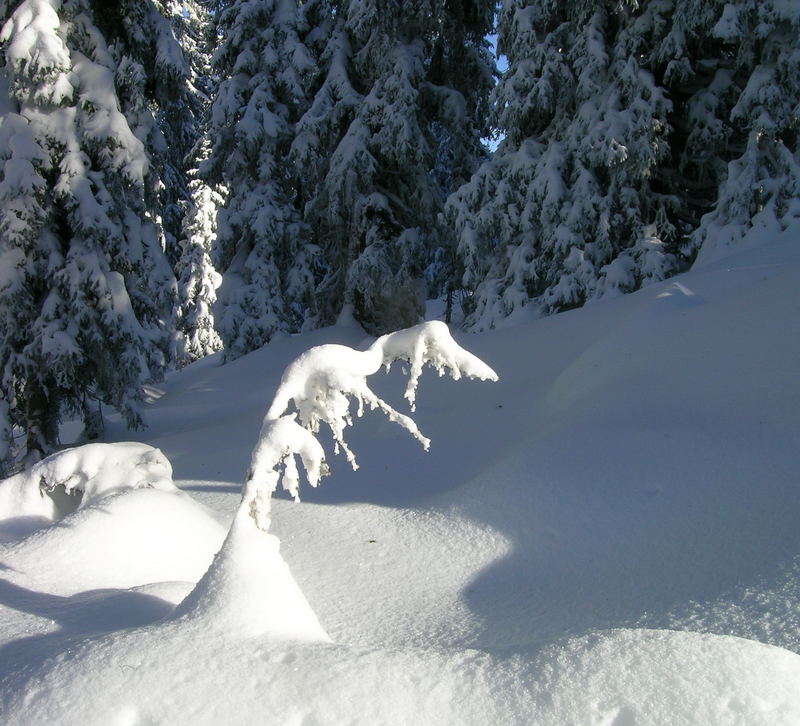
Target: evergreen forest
186	177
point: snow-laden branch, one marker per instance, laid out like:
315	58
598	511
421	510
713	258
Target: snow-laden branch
431	343
322	384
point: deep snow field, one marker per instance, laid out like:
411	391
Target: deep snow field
608	536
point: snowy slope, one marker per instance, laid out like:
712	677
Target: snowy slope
588	541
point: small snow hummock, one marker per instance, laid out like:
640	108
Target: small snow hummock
74	478
117	506
250	592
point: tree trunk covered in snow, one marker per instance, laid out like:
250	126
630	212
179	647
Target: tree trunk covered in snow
620	120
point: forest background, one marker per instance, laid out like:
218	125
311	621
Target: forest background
182	178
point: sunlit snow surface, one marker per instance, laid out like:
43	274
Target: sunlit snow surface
598	539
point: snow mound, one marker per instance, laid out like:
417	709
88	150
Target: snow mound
121	541
628	677
615	678
102	516
249	591
78	477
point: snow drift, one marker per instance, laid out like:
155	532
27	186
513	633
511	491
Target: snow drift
581	545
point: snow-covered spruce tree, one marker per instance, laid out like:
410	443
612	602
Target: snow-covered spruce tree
198	279
248	590
163	51
394	125
567	209
85	288
157	92
262	245
759	81
620	120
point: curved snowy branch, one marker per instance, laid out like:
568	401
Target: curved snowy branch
322	384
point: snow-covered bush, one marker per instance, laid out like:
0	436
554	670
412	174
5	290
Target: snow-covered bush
248	590
198	281
78	477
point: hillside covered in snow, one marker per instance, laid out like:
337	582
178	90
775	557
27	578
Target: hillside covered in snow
606	535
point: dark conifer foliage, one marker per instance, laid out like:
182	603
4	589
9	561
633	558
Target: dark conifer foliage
636	133
179	178
395	122
87	179
339	129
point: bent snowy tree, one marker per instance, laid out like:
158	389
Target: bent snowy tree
248	590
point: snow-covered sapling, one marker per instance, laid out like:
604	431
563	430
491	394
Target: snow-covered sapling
248	589
321	384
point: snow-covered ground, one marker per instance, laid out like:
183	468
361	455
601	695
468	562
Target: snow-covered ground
607	536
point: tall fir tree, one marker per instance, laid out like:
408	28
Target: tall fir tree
626	123
198	279
86	292
262	245
153	79
394	125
